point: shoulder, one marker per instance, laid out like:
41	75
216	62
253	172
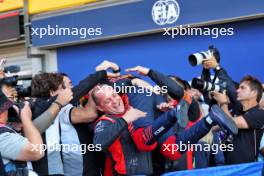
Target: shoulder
255	112
105	118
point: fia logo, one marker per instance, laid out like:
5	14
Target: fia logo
165	12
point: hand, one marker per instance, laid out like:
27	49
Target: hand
26	113
106	65
112	75
2	74
221	98
64	96
139	69
165	106
9	92
133	114
210	63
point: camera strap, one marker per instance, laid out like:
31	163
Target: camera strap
215	76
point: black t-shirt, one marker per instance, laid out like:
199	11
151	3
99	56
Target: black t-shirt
246	142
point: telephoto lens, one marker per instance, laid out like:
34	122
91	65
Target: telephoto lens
198	58
207	86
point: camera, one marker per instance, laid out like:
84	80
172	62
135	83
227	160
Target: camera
198	58
22	92
13	82
207	86
13	115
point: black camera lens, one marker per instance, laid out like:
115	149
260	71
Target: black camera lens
193	60
198	84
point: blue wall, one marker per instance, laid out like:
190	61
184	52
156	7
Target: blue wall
241	54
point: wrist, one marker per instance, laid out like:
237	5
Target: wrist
26	121
224	104
116	70
57	103
217	68
149	72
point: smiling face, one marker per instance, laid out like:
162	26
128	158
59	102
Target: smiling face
108	100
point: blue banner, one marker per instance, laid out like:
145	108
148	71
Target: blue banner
249	169
134	18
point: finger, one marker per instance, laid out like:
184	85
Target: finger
132	69
113	75
144	114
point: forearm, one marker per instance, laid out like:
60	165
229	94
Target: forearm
86	85
44	121
106	134
231	91
31	132
81	115
174	89
225	109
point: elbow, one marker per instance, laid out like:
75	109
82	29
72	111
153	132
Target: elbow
103	145
37	155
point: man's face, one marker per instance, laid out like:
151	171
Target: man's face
67	82
109	101
244	92
196	94
9	91
4	117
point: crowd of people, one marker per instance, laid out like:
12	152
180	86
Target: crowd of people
112	124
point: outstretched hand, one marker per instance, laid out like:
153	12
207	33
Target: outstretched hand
106	65
139	69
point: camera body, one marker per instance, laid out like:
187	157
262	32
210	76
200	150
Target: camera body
13	82
22	92
207	86
198	58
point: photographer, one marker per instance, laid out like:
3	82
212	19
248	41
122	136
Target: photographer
250	123
213	62
14	148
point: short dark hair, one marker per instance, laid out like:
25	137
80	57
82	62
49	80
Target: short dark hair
254	85
183	83
43	83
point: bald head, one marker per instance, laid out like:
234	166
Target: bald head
107	100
